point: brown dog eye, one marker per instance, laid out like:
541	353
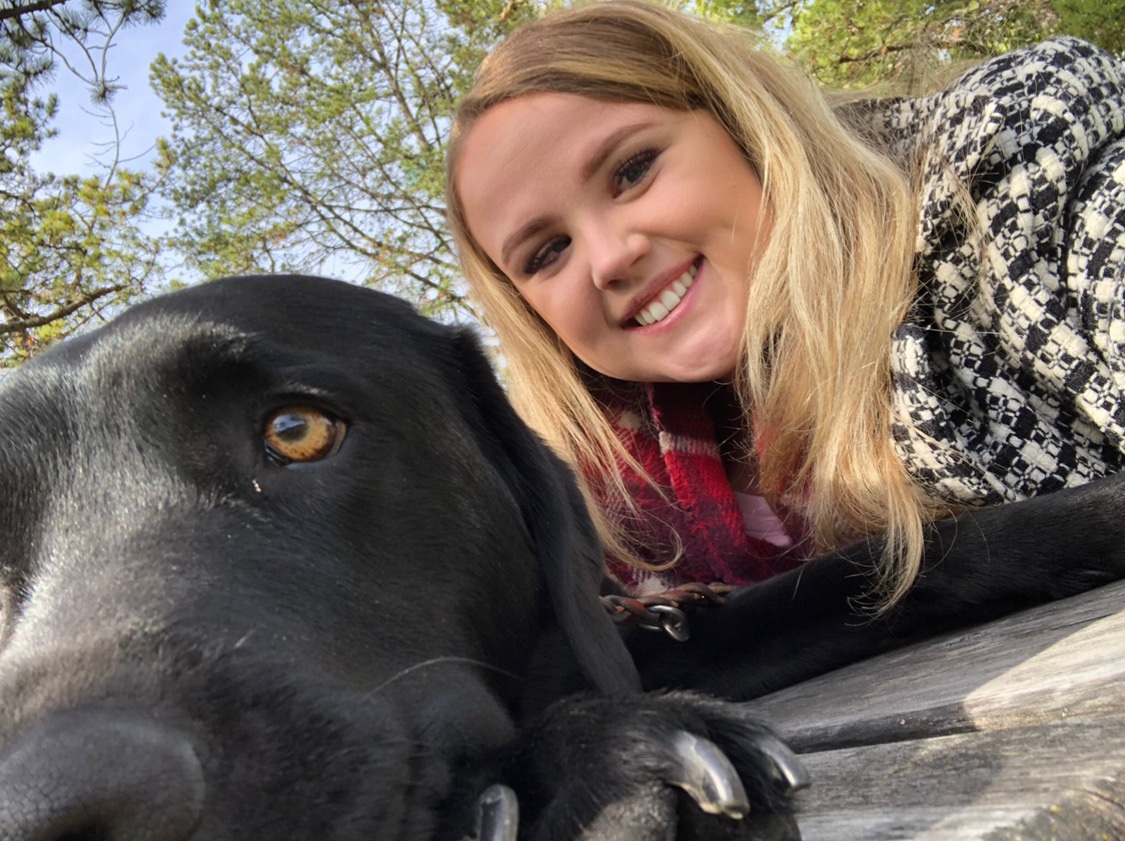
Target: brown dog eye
302	433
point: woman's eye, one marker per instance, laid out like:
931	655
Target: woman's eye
633	170
302	434
546	255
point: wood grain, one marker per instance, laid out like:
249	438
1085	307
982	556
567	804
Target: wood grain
1011	731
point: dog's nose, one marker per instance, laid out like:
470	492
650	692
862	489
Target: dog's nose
89	774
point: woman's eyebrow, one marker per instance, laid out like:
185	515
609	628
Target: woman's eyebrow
528	229
604	149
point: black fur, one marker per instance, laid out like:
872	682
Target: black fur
203	642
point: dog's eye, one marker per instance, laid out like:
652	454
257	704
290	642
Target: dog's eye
302	433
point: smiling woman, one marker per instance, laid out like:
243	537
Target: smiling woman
761	325
644	225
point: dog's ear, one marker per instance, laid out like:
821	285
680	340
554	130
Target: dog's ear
563	536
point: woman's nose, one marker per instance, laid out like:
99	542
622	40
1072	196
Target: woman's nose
615	253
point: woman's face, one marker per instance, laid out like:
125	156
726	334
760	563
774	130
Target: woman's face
633	230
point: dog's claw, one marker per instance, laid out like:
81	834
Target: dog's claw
498	814
707	775
787	769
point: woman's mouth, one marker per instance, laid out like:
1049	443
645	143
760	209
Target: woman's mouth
659	308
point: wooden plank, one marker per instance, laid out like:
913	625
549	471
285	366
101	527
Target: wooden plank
1059	660
1007	784
1012	731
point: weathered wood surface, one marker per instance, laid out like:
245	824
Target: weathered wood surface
1011	731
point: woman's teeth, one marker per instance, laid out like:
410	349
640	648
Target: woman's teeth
669	299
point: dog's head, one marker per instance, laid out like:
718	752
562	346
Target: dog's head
278	558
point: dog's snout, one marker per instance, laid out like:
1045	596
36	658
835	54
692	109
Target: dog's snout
96	776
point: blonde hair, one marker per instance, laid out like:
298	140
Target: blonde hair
831	284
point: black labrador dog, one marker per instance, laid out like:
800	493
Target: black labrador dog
279	560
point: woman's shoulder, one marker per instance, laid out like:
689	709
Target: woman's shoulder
1039	90
1064	66
1060	89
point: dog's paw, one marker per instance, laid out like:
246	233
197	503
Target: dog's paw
649	768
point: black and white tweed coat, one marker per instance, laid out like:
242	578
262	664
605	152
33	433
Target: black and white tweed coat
1011	367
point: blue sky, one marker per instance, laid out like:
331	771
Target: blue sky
82	133
137	107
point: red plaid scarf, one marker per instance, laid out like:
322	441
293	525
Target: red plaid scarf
675	438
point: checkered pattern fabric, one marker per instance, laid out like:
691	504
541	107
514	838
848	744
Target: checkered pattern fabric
1011	367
